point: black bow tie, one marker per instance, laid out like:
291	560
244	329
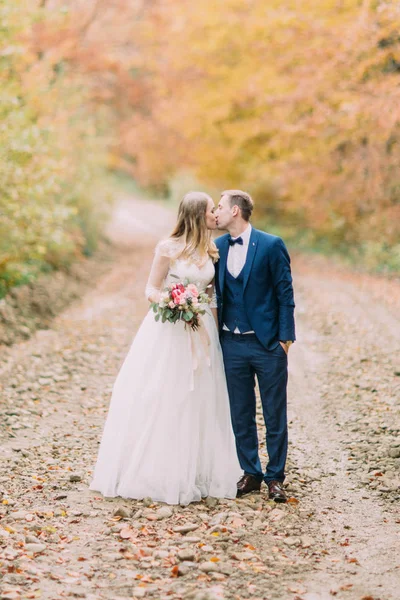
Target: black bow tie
238	240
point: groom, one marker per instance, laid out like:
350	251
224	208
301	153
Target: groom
255	313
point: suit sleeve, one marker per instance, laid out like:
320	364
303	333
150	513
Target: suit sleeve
216	281
283	284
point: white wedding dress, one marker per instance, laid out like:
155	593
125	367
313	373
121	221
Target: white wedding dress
168	433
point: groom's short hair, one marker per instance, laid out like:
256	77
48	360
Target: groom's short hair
241	199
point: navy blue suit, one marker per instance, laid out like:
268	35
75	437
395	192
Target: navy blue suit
266	304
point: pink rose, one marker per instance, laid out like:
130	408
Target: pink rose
171	304
193	290
176	296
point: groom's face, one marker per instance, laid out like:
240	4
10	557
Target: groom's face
224	213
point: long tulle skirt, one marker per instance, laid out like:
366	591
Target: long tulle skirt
168	432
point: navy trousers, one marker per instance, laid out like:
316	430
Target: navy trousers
245	358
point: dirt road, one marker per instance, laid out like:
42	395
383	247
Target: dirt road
338	537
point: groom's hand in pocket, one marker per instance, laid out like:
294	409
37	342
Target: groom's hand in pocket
285	347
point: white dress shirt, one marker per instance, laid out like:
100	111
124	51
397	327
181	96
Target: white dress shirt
237	259
238	253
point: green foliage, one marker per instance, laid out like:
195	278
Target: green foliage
50	212
297	103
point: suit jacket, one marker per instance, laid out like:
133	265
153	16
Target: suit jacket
268	289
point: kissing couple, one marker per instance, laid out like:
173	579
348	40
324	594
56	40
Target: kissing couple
181	424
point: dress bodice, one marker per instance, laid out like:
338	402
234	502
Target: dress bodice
185	270
169	268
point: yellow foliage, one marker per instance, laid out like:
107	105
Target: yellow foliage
298	102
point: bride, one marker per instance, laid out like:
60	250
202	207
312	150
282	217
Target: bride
168	432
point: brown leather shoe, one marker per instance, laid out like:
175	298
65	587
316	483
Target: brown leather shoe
246	484
276	491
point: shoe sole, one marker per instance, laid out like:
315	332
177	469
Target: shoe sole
239	495
279	500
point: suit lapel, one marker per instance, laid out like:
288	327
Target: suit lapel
223	257
251	252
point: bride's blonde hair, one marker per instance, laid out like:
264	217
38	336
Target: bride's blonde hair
192	230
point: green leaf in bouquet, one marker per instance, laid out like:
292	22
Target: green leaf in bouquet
174	276
157	317
155	307
188	316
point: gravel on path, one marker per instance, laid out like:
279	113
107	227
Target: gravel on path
338	537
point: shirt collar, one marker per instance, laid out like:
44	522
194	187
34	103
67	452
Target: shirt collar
245	235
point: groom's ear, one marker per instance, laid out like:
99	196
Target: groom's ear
235	210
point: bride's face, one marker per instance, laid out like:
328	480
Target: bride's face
211	220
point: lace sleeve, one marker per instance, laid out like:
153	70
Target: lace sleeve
213	295
158	272
169	248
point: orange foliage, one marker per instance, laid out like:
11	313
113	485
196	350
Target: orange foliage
298	102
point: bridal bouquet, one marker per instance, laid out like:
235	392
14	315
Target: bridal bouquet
181	302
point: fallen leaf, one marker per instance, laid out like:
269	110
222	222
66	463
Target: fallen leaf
352	560
130	556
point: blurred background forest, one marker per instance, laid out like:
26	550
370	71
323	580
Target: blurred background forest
297	102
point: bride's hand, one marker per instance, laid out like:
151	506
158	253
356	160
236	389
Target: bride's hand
153	295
